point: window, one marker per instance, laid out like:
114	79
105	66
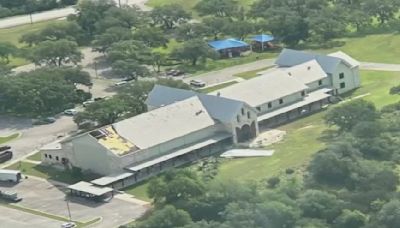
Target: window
320	82
342	85
248	115
258	109
269	104
57	158
238	119
45	155
303	93
280	101
50	156
242	111
341	75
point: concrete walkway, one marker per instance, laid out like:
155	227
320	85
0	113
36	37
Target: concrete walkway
379	66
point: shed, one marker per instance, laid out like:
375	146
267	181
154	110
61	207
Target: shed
262	42
88	190
229	47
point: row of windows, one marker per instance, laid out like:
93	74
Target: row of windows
51	157
243	112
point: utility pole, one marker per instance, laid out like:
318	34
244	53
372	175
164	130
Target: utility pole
119	3
69	211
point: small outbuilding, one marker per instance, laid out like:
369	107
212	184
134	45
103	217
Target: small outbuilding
230	47
262	42
90	191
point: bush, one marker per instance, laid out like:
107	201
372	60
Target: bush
289	171
273	182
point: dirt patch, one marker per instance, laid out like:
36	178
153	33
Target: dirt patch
267	138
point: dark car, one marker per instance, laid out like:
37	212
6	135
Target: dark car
3	148
46	120
5	156
175	72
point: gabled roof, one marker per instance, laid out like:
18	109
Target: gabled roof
307	72
263	89
346	57
228	43
166	123
220	108
289	58
263	38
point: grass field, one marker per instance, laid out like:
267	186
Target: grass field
35	157
8	138
13	35
47	172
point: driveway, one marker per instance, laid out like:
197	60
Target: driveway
18	219
379	66
44	196
227	74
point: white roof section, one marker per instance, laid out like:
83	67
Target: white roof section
104	181
182	151
263	89
52	146
87	187
310	98
9	171
165	123
307	72
345	57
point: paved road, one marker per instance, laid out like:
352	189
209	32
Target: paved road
18	219
379	66
227	74
50	197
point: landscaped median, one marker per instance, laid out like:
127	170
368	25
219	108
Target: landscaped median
50	216
9	138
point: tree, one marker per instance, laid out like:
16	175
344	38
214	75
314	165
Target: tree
239	29
67	30
45	91
129	17
168	16
389	215
158	59
192	51
129	49
191	31
112	35
326	24
218	8
56	53
129	69
216	25
384	10
367	129
6	50
351	219
167	217
319	204
152	37
349	114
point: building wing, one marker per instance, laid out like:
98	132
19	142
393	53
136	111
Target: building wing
345	57
307	72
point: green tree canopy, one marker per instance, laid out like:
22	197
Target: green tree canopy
192	51
168	16
218	8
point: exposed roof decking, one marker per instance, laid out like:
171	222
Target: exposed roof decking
166	123
263	89
115	143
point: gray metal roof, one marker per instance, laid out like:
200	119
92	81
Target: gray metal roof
219	108
289	57
83	186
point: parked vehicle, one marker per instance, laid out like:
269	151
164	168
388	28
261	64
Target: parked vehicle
99	98
120	83
88	102
128	79
4	148
5	156
197	83
70	112
10	196
68	225
10	175
174	72
46	120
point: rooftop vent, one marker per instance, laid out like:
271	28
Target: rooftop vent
199	112
290	74
309	68
218	94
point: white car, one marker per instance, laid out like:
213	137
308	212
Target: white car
88	102
120	83
68	225
197	83
70	112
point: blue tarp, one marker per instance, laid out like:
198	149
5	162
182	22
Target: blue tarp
263	38
228	43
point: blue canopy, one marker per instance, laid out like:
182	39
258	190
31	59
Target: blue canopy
263	38
228	43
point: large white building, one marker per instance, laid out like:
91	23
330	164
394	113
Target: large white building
182	126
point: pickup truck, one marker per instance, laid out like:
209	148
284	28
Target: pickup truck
5	156
10	196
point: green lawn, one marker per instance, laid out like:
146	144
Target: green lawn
139	191
47	172
8	138
250	74
383	48
13	35
217	87
35	157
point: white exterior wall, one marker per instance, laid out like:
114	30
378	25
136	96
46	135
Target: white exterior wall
243	120
275	104
49	157
167	147
351	78
315	84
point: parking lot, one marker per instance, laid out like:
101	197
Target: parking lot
18	219
49	197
